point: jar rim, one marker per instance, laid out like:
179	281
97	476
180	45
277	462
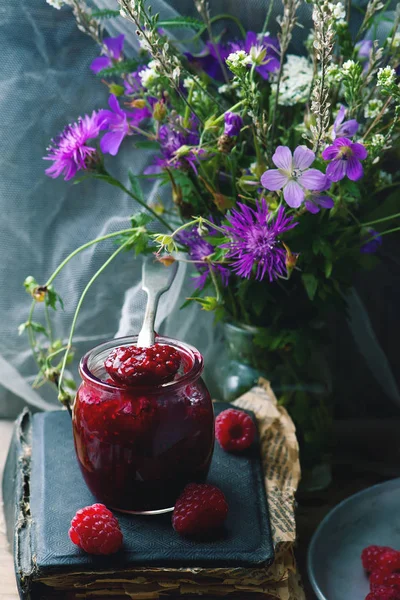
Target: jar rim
190	352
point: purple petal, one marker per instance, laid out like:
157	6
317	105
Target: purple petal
111	142
336	169
114	45
251	40
273	180
153	170
342	141
283	158
114	105
364	48
311	207
303	158
312	179
348	128
104	118
324	201
339	118
354	168
359	151
293	194
100	63
329	153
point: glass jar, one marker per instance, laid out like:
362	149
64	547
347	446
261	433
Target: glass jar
138	446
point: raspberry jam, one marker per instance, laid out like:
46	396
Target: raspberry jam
139	446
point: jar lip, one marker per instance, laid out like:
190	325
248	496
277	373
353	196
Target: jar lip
194	372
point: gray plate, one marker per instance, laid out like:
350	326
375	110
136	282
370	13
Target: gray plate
369	517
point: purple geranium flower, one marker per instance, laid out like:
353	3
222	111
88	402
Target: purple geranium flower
208	61
233	124
372	241
254	241
343	128
116	121
270	62
112	47
69	151
198	250
293	174
345	157
315	200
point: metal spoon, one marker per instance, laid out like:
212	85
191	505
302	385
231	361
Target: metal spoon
156	279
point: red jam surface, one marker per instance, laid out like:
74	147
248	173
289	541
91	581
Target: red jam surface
139	447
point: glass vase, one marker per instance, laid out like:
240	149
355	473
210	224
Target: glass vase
139	446
301	383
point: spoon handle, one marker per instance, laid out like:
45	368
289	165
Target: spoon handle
146	336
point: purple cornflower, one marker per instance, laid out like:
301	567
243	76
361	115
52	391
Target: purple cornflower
345	157
69	151
371	241
293	174
198	250
233	124
116	121
343	128
208	61
254	241
112	47
265	46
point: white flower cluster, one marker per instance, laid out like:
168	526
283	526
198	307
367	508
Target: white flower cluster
149	77
338	12
333	74
348	67
238	59
296	80
377	141
386	76
56	3
373	108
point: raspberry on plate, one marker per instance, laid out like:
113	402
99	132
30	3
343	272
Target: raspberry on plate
383	593
389	560
129	365
235	430
95	530
200	509
370	555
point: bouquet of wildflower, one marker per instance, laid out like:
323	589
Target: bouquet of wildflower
278	165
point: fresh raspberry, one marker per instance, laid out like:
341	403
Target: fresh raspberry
154	365
378	577
383	593
96	530
370	555
200	509
393	580
234	430
389	560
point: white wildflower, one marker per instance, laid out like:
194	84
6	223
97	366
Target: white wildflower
149	77
373	108
224	89
348	66
56	3
395	41
238	59
386	76
338	12
258	54
296	80
377	141
253	168
333	74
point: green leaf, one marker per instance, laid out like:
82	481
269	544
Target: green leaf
135	186
141	219
52	298
328	268
310	283
105	13
119	68
38	328
185	22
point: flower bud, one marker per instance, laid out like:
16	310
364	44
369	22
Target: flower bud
159	110
117	90
138	103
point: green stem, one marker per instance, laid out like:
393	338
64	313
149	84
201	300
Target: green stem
31	334
78	308
232	109
48	322
384	233
381	220
215	282
117	183
187	109
267	18
80	249
184	226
